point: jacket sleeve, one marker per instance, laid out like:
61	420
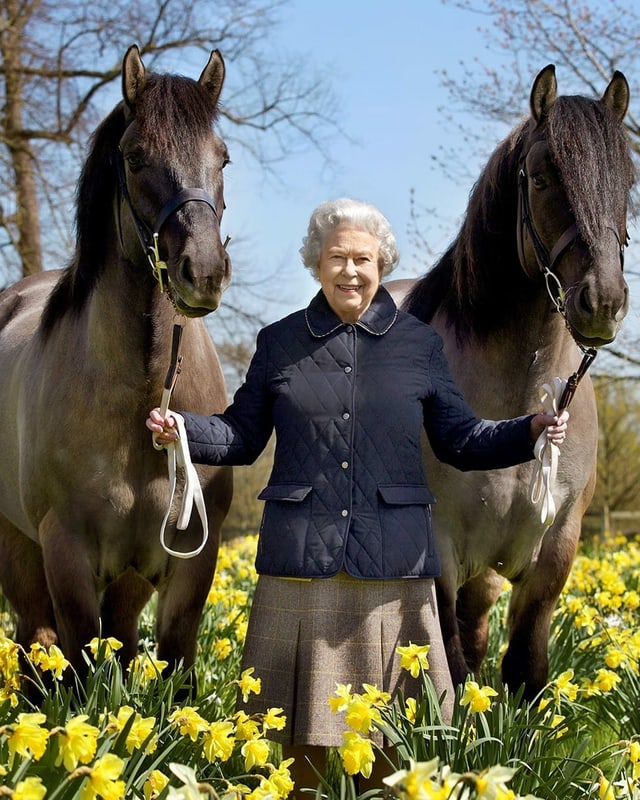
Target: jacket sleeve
241	433
461	439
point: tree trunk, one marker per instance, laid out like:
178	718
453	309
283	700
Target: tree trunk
27	218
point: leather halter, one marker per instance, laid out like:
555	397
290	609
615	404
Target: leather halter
148	237
546	259
546	262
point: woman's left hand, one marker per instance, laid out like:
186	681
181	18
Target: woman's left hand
556	427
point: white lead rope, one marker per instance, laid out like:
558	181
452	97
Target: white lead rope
547	454
179	459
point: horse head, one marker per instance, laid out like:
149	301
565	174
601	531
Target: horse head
170	163
575	175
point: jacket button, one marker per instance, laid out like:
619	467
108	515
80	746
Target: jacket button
346	415
344	512
347	370
349	328
344	464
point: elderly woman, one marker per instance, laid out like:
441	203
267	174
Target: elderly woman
346	554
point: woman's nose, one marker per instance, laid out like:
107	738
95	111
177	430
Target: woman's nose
349	267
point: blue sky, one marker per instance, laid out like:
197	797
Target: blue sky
383	59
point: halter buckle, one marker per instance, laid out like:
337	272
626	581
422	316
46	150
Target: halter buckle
157	264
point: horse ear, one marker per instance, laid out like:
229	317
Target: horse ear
544	92
212	76
616	95
133	76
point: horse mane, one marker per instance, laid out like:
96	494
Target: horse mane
474	283
173	113
598	181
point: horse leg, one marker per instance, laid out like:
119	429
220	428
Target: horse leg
446	595
180	603
72	588
533	600
475	600
122	602
23	582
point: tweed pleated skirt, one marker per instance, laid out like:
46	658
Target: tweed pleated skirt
306	636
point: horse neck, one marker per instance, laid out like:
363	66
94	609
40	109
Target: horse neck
511	363
130	323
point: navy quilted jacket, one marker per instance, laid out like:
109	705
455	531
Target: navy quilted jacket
348	403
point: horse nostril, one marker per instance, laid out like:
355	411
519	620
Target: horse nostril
186	271
585	303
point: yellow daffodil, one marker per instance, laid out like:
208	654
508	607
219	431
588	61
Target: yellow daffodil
29	789
606	790
51	660
103	779
476	697
280	778
606	680
419	782
491	784
255	753
9	656
27	737
341	697
189	722
586	619
222	648
139	730
154	784
614	657
147	668
77	742
274	719
108	646
410	709
563	687
248	684
634	757
246	727
413	658
361	715
375	696
218	741
356	754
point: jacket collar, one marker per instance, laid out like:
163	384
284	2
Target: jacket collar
377	319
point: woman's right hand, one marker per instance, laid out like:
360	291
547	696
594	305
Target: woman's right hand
164	427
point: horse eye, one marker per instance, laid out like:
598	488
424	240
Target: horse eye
134	160
539	181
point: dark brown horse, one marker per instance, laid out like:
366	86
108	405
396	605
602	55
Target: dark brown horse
83	357
544	230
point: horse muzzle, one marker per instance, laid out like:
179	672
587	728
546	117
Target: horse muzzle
595	315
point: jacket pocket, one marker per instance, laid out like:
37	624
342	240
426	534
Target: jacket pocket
291	492
405	522
283	530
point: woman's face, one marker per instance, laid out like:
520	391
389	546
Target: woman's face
348	271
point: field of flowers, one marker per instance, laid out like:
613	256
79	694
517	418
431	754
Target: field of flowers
126	734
